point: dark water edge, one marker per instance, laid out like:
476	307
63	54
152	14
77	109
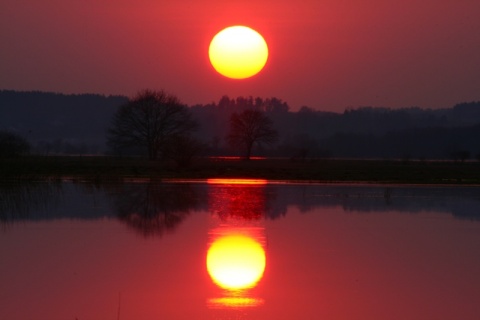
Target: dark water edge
312	170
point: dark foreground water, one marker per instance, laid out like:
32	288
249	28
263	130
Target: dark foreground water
224	250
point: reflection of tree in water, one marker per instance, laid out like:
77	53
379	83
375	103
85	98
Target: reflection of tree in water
19	198
248	202
154	208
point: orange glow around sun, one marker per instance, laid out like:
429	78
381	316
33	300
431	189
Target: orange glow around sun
238	52
236	261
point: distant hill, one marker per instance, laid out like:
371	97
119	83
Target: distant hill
55	122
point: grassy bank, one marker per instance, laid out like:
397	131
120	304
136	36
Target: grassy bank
321	170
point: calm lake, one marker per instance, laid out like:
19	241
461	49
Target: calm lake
237	249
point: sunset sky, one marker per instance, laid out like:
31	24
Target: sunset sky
328	55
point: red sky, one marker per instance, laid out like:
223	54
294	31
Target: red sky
328	55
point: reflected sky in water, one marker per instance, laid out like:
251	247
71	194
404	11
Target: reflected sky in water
139	250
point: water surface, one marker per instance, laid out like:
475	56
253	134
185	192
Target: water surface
138	250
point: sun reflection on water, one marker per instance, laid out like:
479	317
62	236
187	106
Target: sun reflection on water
236	263
235	302
236	258
237	181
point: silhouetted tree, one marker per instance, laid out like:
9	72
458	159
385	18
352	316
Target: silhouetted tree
12	145
151	120
248	128
463	155
460	155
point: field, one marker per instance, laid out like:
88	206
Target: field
314	170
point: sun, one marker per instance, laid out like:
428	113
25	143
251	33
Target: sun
238	52
236	262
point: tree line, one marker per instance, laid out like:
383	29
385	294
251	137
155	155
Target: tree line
90	124
160	124
363	132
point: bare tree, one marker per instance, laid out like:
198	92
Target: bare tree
150	120
13	145
248	128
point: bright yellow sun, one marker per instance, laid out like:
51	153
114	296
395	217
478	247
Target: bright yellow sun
236	262
238	52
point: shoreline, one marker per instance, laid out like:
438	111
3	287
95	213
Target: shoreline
311	171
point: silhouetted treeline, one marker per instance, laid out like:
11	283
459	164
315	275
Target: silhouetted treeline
366	132
77	124
58	123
